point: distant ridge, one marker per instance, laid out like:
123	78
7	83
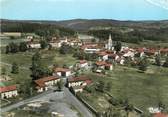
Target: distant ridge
86	24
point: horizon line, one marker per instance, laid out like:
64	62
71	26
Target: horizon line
81	19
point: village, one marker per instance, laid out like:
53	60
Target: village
94	62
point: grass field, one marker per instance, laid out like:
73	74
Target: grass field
24	61
142	89
147	43
48	58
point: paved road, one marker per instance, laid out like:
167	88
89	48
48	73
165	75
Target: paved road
70	98
18	104
75	102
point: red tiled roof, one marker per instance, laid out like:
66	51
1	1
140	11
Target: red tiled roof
140	50
150	51
41	82
80	78
61	69
108	64
112	55
164	50
8	88
88	81
102	53
160	115
82	61
100	63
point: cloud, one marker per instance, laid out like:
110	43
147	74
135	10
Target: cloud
160	3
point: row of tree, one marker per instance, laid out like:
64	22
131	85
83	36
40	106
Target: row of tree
135	36
116	36
14	48
41	29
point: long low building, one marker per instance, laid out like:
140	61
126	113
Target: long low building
78	83
43	84
8	91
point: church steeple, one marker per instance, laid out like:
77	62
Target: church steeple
110	42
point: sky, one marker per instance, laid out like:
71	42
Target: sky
84	9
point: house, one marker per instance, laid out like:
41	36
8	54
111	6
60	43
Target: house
120	60
100	64
108	66
8	91
151	52
43	84
113	56
78	83
29	37
160	115
34	44
55	44
140	52
163	51
128	53
75	42
62	72
91	48
104	65
83	64
103	55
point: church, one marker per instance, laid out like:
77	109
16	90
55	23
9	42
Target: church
109	45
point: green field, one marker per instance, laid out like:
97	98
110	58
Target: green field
24	61
48	58
6	41
143	90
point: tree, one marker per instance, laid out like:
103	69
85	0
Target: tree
23	47
143	64
7	49
101	86
77	73
65	49
157	60
50	47
161	105
166	62
109	86
36	65
26	88
118	46
65	66
60	84
43	44
38	70
3	71
13	47
15	68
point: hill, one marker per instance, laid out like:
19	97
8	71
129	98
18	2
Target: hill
120	30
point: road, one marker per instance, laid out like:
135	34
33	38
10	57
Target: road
23	102
75	102
70	98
